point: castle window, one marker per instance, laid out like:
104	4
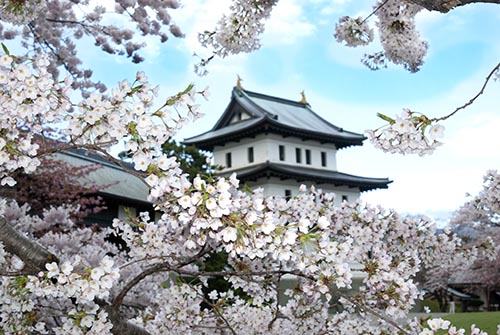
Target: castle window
308	157
288	194
228	160
323	158
298	155
282	152
250	155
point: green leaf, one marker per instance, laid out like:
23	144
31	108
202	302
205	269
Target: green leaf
5	49
386	118
188	89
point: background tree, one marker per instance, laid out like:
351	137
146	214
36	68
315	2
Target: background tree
477	221
55	184
191	160
55	27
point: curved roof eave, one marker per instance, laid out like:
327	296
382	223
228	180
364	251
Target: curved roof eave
306	174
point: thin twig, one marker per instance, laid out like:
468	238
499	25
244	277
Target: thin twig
160	267
216	310
277	314
369	310
374	11
15	273
471	101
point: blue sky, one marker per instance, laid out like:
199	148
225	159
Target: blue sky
300	53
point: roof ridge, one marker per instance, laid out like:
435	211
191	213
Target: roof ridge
93	157
274	98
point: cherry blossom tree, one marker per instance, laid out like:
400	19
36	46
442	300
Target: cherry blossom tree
54	27
478	222
54	184
71	281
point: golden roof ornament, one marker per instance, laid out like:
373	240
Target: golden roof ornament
238	82
303	100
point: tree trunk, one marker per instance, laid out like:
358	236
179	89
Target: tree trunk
442	298
31	253
445	6
35	257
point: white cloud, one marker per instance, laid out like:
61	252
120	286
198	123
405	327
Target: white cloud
287	24
196	16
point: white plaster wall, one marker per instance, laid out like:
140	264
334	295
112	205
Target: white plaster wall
266	148
274	186
239	153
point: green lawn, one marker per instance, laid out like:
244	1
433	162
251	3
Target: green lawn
486	321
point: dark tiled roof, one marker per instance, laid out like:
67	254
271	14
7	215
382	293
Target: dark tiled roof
305	174
272	115
116	181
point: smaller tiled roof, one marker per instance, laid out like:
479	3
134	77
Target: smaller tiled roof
272	115
115	181
306	174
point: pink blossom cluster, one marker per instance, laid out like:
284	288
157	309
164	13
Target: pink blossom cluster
272	235
21	13
239	31
489	198
84	287
29	99
116	27
436	326
128	115
398	34
400	39
408	133
354	32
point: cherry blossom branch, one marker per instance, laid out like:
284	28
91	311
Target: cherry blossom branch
30	252
215	309
369	310
15	273
160	267
445	6
121	326
45	44
35	257
374	11
277	315
471	101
